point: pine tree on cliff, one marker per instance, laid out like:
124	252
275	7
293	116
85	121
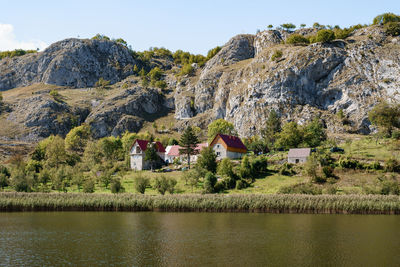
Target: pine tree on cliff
188	143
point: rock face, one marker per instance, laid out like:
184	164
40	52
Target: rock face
44	116
71	62
125	111
314	80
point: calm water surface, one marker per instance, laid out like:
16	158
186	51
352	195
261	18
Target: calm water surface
197	239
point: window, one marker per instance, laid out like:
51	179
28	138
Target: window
297	160
217	146
218	154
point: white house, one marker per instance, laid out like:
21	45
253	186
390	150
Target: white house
137	154
172	152
228	146
298	155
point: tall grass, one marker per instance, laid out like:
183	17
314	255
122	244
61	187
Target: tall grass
280	203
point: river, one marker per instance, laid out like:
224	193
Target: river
197	239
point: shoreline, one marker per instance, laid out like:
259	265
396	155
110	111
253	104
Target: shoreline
261	203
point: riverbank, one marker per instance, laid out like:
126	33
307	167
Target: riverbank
313	204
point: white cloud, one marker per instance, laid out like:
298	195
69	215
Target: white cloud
8	40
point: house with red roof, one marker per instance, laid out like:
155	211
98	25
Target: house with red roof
172	152
137	154
228	146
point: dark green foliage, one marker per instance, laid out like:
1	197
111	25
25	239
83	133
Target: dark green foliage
349	163
89	186
290	136
150	155
318	26
241	184
56	96
185	58
259	165
271	129
386	18
77	138
187	69
314	133
112	148
141	183
172	141
288	26
163	184
276	55
303	188
207	159
21	180
105	178
245	171
4	177
212	52
297	39
121	41
209	182
386	117
344	33
116	186
286	169
324	36
220	126
392	28
15	53
101	37
392	165
225	168
188	142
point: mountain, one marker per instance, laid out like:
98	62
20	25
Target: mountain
248	77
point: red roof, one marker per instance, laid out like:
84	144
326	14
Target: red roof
143	145
232	141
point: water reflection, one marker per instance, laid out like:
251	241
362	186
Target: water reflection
223	239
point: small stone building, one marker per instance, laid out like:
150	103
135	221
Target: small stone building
137	154
228	146
298	155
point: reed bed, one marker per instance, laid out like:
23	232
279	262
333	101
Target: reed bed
279	203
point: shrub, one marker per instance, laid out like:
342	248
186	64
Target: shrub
392	28
220	186
212	52
56	96
386	18
392	165
286	169
374	166
225	168
208	159
324	36
161	84
302	188
327	171
209	182
276	55
116	186
241	184
348	163
297	39
102	83
163	184
187	69
4	181
88	186
259	165
141	183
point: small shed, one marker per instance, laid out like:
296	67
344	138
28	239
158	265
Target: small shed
298	155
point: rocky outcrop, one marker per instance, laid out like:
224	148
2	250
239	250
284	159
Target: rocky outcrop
44	116
126	111
71	62
306	81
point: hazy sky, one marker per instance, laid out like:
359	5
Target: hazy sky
194	26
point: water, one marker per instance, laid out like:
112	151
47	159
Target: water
197	239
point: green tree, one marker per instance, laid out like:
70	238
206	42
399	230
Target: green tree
172	141
297	39
212	52
163	184
209	182
288	26
141	183
225	168
314	133
208	159
111	148
392	28
245	168
55	154
303	25
150	155
89	186
324	36
385	18
116	186
290	136
188	142
220	126
271	129
386	116
77	138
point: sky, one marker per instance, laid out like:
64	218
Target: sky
194	26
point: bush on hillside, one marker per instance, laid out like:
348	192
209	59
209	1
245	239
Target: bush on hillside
297	39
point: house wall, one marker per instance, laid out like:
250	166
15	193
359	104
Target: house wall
300	160
220	150
234	155
137	162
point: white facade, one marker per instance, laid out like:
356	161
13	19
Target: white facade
222	152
